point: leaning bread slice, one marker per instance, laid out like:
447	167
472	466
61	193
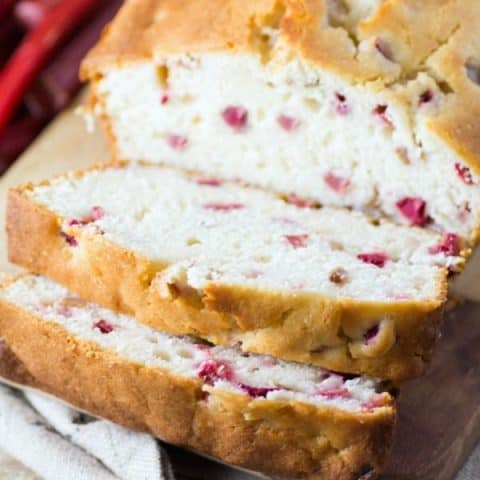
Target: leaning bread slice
189	254
284	419
371	104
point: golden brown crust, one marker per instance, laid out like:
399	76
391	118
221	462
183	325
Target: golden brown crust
11	368
432	36
283	439
139	29
305	327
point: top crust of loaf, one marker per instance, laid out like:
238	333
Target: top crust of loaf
379	44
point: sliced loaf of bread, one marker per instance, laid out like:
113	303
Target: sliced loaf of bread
372	105
284	419
192	255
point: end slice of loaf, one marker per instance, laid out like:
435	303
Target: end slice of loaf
192	255
371	105
283	419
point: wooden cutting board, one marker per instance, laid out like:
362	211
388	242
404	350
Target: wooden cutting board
439	421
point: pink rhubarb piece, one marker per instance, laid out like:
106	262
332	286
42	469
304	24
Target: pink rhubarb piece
414	210
297	241
103	326
177	142
336	183
289	124
450	245
379	259
235	117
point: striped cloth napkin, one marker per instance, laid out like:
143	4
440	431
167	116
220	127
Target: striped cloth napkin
57	442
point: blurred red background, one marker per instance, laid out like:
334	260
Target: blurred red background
42	43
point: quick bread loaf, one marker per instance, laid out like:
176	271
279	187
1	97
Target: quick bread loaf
371	105
189	254
293	183
280	418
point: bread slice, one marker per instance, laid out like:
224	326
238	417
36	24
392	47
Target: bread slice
371	105
284	419
191	255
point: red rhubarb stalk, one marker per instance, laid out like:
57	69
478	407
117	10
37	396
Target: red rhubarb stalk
36	49
58	83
